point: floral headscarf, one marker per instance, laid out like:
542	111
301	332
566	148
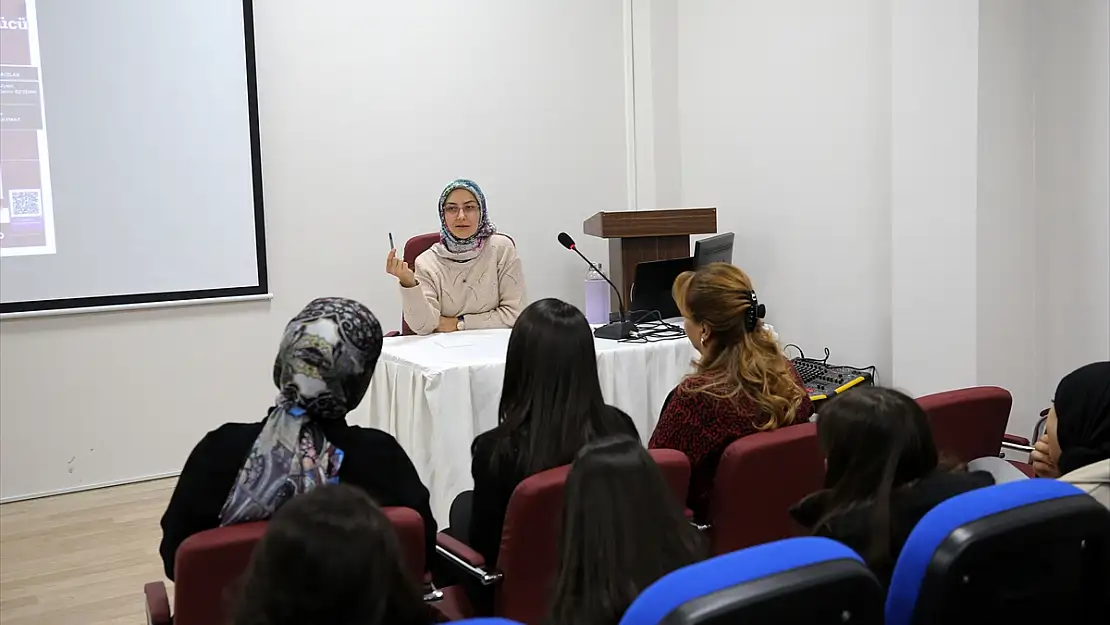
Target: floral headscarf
322	371
464	249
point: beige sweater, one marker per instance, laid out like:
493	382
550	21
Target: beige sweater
488	292
1094	479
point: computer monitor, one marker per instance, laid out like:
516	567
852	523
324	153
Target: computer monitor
651	287
715	249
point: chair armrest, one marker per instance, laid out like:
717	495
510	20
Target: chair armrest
1014	439
461	555
157	604
1019	447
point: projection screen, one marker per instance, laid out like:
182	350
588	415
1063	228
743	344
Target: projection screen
129	154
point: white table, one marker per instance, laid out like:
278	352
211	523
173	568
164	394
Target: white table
436	393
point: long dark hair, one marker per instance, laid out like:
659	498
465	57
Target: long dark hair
551	402
874	440
622	530
329	556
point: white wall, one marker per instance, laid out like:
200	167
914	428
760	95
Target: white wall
666	145
1044	196
1072	74
1008	254
783	122
934	169
367	109
920	184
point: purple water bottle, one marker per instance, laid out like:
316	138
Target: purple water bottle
597	297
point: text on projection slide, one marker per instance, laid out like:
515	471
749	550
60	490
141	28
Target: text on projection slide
26	215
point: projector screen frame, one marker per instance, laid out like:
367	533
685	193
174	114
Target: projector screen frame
105	303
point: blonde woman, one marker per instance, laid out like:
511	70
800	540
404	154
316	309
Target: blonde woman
742	383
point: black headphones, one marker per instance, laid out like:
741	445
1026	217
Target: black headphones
755	311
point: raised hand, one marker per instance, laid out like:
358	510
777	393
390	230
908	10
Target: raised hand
1043	465
398	267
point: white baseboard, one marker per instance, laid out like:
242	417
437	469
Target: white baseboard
85	487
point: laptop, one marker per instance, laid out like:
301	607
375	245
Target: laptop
651	288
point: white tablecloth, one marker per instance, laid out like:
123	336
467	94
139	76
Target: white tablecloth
436	393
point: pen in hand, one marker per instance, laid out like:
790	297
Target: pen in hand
398	267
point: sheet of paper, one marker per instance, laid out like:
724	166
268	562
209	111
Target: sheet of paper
454	340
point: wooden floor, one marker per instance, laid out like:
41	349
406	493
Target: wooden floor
81	558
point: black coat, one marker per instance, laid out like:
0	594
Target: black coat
908	504
372	460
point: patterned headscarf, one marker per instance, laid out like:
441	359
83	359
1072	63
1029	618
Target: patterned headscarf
464	249
1082	405
322	371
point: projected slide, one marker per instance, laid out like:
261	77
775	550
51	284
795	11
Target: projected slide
26	219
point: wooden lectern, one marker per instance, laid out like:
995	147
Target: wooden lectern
636	236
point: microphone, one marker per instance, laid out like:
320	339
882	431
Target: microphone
617	330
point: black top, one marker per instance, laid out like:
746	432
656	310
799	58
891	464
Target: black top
908	504
492	490
372	460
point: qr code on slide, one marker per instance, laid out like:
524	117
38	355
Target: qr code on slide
25	203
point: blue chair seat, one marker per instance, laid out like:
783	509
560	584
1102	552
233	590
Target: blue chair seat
1034	551
798	580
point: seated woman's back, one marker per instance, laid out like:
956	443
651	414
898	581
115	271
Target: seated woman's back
742	383
622	530
245	471
882	475
329	556
551	405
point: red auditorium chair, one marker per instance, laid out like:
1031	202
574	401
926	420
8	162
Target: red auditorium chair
759	477
415	247
1024	445
208	565
968	423
528	558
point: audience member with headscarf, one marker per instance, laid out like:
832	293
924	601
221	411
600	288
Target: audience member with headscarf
1076	443
471	279
244	472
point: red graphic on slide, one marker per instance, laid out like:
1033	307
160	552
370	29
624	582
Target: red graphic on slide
26	221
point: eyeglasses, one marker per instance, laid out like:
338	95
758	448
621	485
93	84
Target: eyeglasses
470	210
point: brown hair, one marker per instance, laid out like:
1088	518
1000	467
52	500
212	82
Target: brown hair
736	363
